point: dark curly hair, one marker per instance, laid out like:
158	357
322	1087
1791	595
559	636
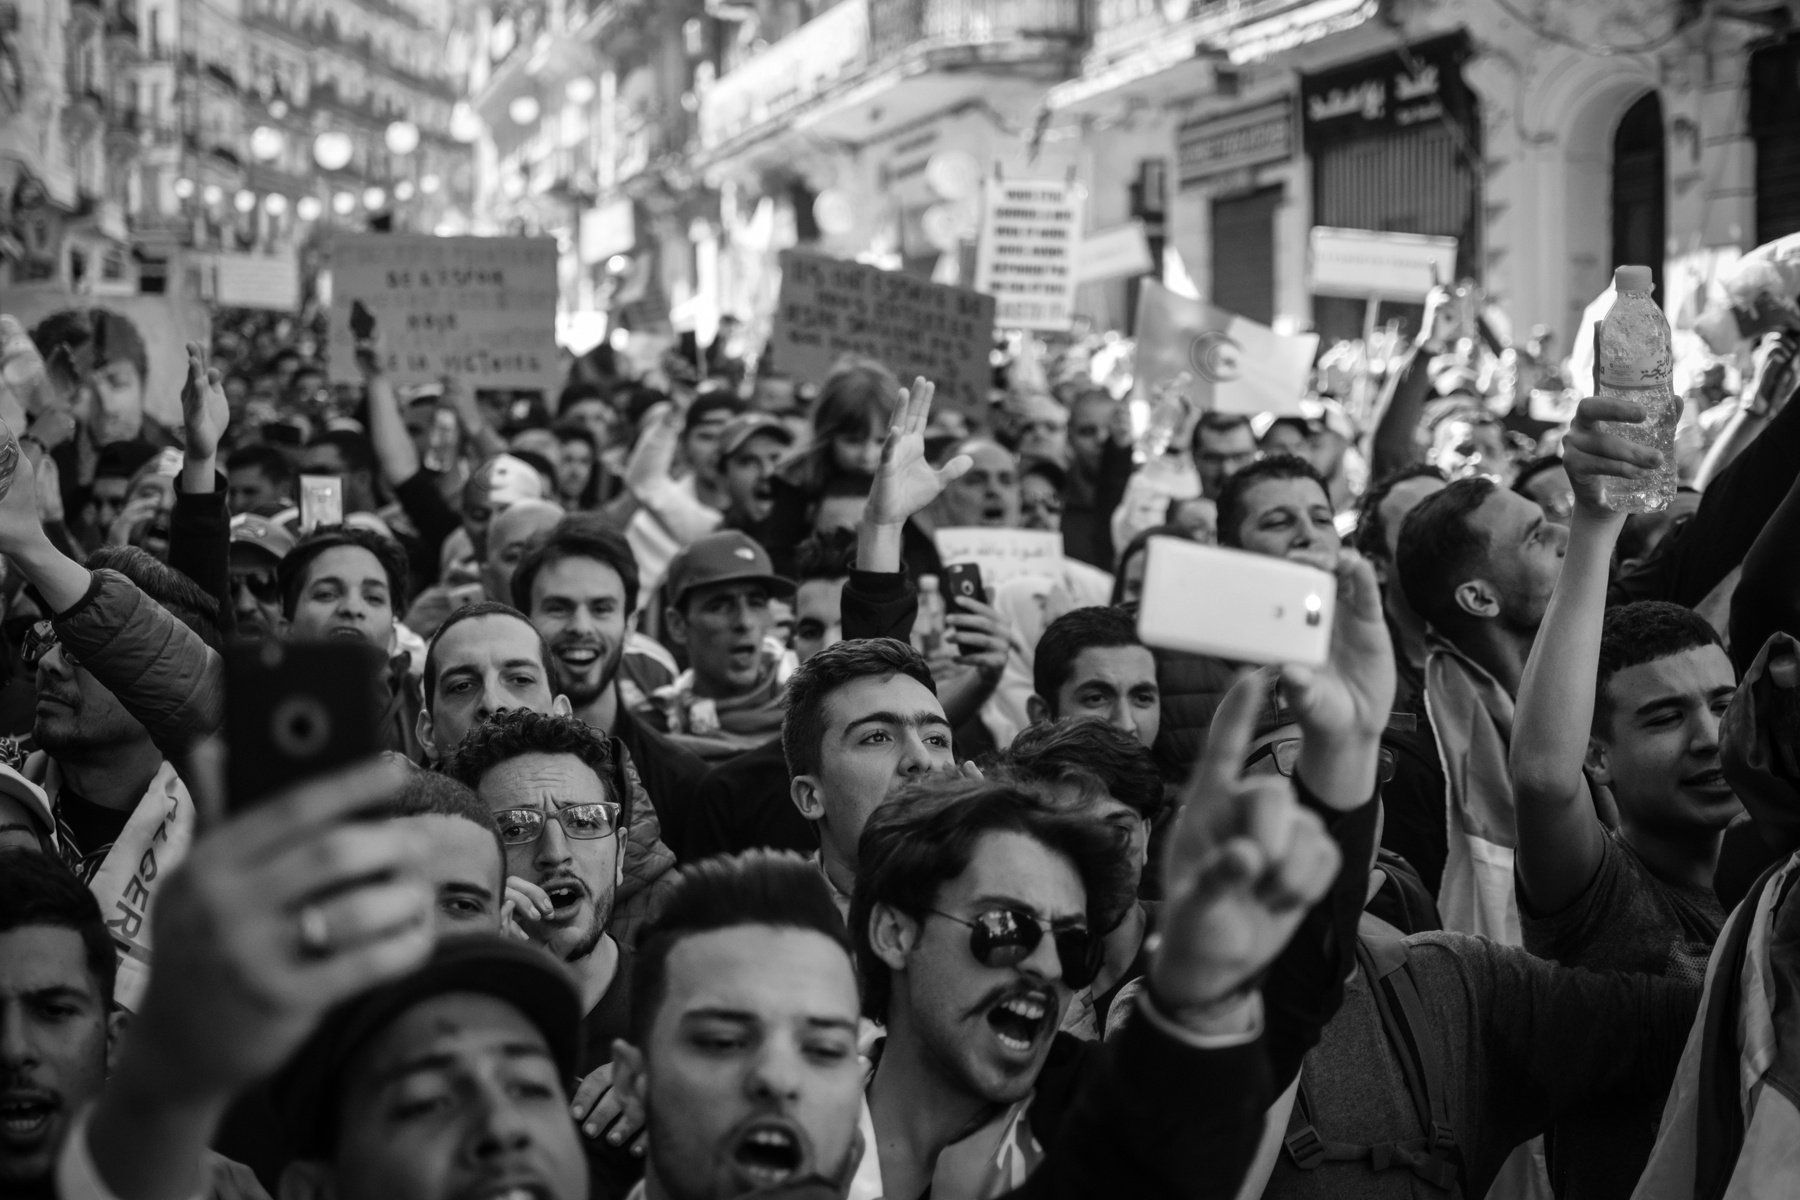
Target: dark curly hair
516	732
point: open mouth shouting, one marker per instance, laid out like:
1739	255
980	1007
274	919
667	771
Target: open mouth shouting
26	1115
511	1189
566	896
1022	1021
768	1151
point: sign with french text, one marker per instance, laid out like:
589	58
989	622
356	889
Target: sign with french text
1220	145
1002	554
1026	256
829	308
480	308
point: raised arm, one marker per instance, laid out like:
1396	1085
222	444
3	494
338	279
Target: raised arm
1394	442
394	448
1560	836
905	484
200	525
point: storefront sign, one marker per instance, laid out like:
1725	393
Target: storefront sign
1215	146
1390	92
1026	256
799	67
829	308
1393	266
1116	253
480	308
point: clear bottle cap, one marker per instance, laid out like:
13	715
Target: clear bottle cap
1632	279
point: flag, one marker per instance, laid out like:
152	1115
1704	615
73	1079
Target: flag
1235	365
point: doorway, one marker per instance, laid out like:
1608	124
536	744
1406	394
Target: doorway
1640	189
1243	254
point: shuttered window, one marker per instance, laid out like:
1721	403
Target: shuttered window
1413	182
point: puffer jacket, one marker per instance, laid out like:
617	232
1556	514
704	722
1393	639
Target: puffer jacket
163	674
1193	686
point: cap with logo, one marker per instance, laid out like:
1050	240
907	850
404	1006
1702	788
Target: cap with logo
261	533
741	428
725	557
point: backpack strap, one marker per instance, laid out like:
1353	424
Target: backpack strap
1435	1158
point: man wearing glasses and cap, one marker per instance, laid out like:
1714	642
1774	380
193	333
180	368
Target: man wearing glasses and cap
257	547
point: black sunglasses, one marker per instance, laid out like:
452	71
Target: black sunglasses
1006	937
264	583
40	640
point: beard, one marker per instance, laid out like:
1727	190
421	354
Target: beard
586	939
581	688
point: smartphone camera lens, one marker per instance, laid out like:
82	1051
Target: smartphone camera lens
300	727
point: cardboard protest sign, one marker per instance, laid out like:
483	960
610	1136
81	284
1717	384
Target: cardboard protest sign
1232	364
1002	554
1026	257
164	325
829	308
481	308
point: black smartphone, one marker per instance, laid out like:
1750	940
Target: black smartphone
295	710
362	321
962	582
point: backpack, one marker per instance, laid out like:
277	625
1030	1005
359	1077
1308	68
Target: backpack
1435	1157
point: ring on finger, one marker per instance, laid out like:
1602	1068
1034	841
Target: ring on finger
315	933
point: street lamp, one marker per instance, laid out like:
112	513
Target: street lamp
275	204
374	198
309	208
266	143
244	201
430	184
343	204
402	138
332	150
403	191
213	195
184	189
523	110
465	126
579	90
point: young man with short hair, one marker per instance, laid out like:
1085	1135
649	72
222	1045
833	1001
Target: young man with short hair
509	537
558	799
1089	662
579	586
487	658
259	477
1224	444
1280	506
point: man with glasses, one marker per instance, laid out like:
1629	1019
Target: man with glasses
554	789
257	547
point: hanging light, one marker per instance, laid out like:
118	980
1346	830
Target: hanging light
579	90
333	149
309	208
465	126
403	191
184	189
374	198
343	204
244	201
523	110
430	184
274	204
513	186
402	138
214	195
267	143
278	108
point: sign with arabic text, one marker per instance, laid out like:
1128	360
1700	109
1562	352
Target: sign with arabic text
1388	93
829	308
1214	146
1002	554
480	308
1026	257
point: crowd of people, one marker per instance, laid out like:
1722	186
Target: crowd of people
710	855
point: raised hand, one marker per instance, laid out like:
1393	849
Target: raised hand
1591	455
21	516
1241	868
600	1108
905	482
276	917
1353	694
205	412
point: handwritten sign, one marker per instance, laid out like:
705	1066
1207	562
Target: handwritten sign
481	308
829	308
1397	266
1002	554
1026	259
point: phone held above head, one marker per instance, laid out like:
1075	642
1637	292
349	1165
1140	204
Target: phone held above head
1242	607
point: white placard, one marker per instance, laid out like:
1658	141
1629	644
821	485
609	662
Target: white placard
1117	253
264	281
1002	554
1395	266
1026	258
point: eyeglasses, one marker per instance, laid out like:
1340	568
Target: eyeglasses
585	822
1046	504
1286	754
1006	937
263	582
40	640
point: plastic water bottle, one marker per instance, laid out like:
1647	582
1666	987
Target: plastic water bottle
1168	417
928	626
1635	362
9	458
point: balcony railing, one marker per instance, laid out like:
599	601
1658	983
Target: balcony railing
898	25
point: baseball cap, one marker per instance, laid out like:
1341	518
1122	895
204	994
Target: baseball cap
720	403
523	976
725	557
248	529
741	428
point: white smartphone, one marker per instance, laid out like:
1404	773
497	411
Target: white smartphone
1247	608
321	502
